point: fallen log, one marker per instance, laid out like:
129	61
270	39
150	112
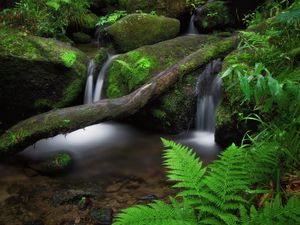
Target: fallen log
69	119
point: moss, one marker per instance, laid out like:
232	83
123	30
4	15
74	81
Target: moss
68	58
223	115
53	71
175	110
137	30
101	56
138	66
13	42
134	72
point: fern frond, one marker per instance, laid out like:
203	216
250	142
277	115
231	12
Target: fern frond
184	168
158	213
224	185
274	213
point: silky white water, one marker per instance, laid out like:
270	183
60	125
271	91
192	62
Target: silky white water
101	77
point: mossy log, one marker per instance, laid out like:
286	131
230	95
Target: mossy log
69	119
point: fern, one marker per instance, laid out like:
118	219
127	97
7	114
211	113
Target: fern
225	184
184	168
215	195
273	213
158	213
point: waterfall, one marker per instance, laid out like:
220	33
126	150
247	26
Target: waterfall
209	91
88	95
192	28
101	77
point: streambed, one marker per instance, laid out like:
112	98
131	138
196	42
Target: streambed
115	166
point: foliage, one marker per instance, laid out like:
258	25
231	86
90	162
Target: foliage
291	15
215	194
274	213
137	73
268	9
111	18
45	17
194	3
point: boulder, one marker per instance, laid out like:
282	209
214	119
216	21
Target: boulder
36	75
136	30
214	15
81	38
174	110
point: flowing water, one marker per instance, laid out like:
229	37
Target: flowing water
209	91
192	28
121	163
88	95
101	77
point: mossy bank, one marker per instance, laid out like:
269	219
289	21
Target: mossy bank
37	74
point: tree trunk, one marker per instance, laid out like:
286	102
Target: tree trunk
69	119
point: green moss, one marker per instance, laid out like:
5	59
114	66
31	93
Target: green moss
101	56
62	160
173	110
223	115
126	76
70	93
69	58
131	70
15	43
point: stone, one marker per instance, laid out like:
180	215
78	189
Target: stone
36	75
136	30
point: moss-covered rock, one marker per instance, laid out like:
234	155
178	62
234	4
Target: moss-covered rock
37	74
131	70
55	164
175	110
81	38
136	30
214	15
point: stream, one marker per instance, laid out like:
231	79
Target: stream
115	165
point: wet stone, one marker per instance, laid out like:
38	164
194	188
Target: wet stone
102	216
57	163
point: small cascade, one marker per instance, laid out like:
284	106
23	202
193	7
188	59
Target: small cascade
192	28
101	77
98	35
209	91
88	95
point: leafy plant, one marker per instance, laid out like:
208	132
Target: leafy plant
135	74
111	18
45	17
213	195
